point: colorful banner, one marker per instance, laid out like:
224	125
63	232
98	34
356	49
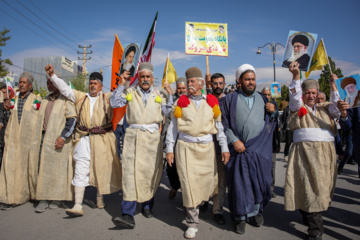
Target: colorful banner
206	39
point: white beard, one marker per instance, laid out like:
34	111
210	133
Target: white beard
296	56
127	66
351	98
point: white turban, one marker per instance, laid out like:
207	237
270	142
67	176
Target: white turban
243	68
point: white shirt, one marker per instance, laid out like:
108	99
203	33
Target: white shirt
296	100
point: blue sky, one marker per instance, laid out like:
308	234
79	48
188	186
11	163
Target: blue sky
250	24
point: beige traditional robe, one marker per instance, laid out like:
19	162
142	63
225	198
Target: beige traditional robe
105	168
196	162
311	172
19	168
142	162
56	168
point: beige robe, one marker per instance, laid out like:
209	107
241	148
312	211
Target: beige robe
105	168
311	171
19	168
196	162
56	167
142	153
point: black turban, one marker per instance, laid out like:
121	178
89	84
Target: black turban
301	39
129	50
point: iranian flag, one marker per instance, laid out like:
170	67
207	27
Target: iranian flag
9	87
146	54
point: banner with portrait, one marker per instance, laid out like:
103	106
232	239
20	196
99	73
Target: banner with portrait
130	58
206	39
349	89
299	47
275	90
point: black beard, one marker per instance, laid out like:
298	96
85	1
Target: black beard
247	91
218	90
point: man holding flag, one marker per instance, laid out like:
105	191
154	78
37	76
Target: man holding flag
142	161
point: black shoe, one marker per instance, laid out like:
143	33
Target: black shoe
204	207
258	220
340	171
147	213
172	193
273	195
240	227
305	221
219	219
125	221
317	237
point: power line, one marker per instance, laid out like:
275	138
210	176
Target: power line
45	22
37	24
35	32
54	21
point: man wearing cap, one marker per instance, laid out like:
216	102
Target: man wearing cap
171	170
53	130
249	123
300	43
311	170
96	160
352	94
142	162
196	118
19	167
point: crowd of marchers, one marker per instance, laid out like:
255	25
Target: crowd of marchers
215	142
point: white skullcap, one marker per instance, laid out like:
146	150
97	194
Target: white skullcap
243	68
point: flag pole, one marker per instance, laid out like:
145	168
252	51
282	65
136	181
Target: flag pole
167	65
327	56
7	88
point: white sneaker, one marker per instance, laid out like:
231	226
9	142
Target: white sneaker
190	233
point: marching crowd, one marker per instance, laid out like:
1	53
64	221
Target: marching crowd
53	148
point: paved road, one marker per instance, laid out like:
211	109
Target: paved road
342	220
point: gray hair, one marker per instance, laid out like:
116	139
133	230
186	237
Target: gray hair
265	89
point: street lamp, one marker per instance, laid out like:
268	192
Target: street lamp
273	48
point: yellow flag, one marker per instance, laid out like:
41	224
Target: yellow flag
169	72
319	59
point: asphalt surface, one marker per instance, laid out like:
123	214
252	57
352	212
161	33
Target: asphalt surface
342	220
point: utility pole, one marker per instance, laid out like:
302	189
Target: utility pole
84	59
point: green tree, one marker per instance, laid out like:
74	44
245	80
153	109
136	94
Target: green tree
325	77
42	91
80	82
284	94
3	39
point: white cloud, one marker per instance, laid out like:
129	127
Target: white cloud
347	68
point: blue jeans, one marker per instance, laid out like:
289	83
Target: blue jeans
129	207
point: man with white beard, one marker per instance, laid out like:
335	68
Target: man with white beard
300	43
352	94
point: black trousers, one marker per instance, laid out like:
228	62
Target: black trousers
2	144
289	139
314	221
173	176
